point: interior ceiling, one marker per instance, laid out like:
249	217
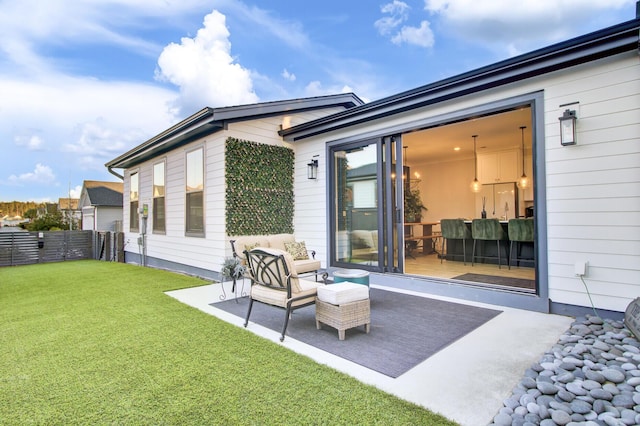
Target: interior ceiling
495	132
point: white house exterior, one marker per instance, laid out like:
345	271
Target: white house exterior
587	196
101	205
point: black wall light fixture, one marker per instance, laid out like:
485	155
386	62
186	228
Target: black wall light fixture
568	127
312	168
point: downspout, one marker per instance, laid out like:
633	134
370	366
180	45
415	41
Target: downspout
115	173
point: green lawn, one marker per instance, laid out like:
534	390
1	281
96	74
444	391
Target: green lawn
90	342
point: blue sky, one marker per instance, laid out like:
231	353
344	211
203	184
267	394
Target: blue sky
83	81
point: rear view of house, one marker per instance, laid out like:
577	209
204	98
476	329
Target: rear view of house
549	137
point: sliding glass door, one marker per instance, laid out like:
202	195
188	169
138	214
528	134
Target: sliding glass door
364	205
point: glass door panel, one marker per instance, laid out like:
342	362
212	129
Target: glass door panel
356	205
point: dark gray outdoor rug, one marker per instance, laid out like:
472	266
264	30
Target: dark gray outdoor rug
405	329
494	279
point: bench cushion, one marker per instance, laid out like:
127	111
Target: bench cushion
344	292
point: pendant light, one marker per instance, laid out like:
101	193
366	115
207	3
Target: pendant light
475	185
523	182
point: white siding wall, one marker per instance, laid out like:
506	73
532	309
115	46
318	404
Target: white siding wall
208	252
593	188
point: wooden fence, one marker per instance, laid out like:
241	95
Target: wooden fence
25	248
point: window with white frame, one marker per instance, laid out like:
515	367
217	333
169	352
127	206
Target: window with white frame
134	202
195	193
159	197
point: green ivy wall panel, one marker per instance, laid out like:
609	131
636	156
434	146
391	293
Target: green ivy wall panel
259	193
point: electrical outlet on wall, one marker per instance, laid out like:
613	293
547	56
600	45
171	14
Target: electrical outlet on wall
580	268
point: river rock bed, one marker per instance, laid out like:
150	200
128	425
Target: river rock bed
590	377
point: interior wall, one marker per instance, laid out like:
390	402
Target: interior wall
444	188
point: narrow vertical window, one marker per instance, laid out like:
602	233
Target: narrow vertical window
158	198
134	202
194	193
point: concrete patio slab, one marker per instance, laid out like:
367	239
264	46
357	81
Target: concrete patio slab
466	381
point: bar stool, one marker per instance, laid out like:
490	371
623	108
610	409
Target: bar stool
488	230
520	231
454	229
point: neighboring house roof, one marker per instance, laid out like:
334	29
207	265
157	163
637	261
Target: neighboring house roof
68	203
599	44
211	120
98	193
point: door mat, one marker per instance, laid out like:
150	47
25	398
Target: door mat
494	279
405	329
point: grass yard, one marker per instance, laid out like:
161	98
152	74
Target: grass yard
91	342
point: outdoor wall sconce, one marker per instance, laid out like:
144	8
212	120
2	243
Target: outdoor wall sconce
312	169
568	127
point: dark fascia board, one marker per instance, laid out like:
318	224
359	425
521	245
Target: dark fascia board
210	120
609	41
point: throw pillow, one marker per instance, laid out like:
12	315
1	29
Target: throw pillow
298	250
249	247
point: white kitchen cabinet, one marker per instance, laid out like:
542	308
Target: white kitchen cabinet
498	167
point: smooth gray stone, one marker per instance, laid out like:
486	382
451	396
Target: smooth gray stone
601	394
610	387
548	422
623	400
526	399
502	420
520	412
599	344
560	417
636	398
566	377
563	406
565	395
533	408
613	375
580	407
596	376
633	381
568	366
600	406
590	385
511	403
547	388
528	382
576	388
544	400
628	416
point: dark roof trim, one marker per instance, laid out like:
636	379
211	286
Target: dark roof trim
609	41
211	120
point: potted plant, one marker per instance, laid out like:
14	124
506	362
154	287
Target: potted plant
233	268
413	206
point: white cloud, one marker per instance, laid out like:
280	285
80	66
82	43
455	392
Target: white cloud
75	192
32	143
399	12
288	76
421	36
204	70
516	27
41	174
392	26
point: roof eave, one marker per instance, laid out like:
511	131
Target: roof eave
211	120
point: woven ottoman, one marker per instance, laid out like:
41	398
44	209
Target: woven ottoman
343	306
